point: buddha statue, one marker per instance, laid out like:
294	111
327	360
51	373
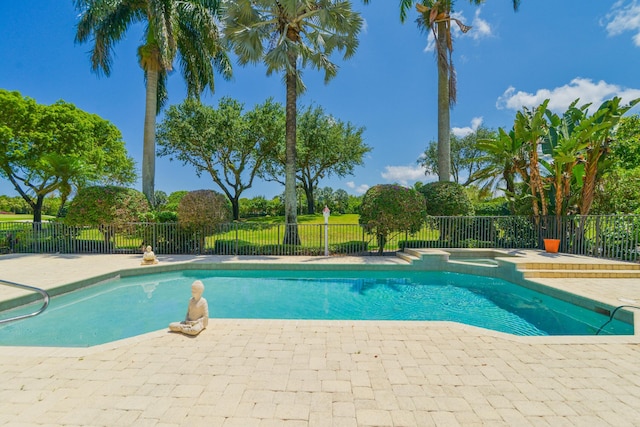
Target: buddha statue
197	317
149	257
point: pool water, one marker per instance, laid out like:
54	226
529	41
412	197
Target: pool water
135	305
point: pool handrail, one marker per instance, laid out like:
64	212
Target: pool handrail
45	296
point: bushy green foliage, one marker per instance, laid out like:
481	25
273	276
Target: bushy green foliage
390	208
107	205
619	192
446	199
495	207
203	208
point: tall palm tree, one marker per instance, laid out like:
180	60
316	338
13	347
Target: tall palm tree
435	16
183	29
287	35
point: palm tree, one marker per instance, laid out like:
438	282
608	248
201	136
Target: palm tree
287	35
504	159
435	17
531	126
186	29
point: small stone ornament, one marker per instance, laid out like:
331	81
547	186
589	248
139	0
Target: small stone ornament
149	258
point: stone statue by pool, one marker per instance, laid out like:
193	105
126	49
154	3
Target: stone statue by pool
149	258
197	317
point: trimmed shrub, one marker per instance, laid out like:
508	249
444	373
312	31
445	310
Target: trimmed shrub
110	208
352	247
203	209
200	212
446	199
391	208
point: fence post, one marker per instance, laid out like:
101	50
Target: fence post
237	242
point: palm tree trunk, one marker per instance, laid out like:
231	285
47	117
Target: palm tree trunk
149	138
589	183
291	236
444	142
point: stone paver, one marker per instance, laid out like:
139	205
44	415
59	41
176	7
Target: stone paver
316	373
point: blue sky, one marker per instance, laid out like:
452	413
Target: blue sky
560	50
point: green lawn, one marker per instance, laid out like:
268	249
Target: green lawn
22	217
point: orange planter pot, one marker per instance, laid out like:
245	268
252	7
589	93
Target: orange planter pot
551	245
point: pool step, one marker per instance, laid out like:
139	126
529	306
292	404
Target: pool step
409	256
602	274
611	265
611	270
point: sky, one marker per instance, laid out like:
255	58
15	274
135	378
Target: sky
561	50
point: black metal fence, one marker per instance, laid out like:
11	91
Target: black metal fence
614	236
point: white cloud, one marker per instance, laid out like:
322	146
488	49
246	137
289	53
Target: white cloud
462	132
480	29
403	174
586	90
622	18
359	189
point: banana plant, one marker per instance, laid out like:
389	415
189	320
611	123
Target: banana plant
602	122
530	126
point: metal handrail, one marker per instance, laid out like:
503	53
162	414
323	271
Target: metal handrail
42	292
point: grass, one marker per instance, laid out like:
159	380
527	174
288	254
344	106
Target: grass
22	217
307	219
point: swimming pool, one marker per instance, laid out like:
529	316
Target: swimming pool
131	306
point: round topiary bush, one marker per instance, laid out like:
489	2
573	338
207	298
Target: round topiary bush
107	205
391	208
199	213
203	208
445	198
112	209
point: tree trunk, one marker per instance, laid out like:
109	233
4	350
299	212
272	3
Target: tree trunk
589	183
235	207
444	141
37	211
311	202
149	138
291	236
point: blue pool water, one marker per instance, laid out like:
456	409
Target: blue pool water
135	305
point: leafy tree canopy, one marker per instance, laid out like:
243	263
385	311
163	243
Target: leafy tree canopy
203	208
625	148
389	208
227	143
446	199
466	159
58	147
325	146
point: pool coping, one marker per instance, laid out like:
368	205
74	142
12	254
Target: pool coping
430	260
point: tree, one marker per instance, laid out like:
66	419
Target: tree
187	29
446	199
389	208
618	192
228	144
57	148
435	17
326	146
625	149
200	211
110	208
465	155
530	126
443	198
604	119
285	35
504	160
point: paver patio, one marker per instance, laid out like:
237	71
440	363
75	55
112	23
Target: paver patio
318	373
